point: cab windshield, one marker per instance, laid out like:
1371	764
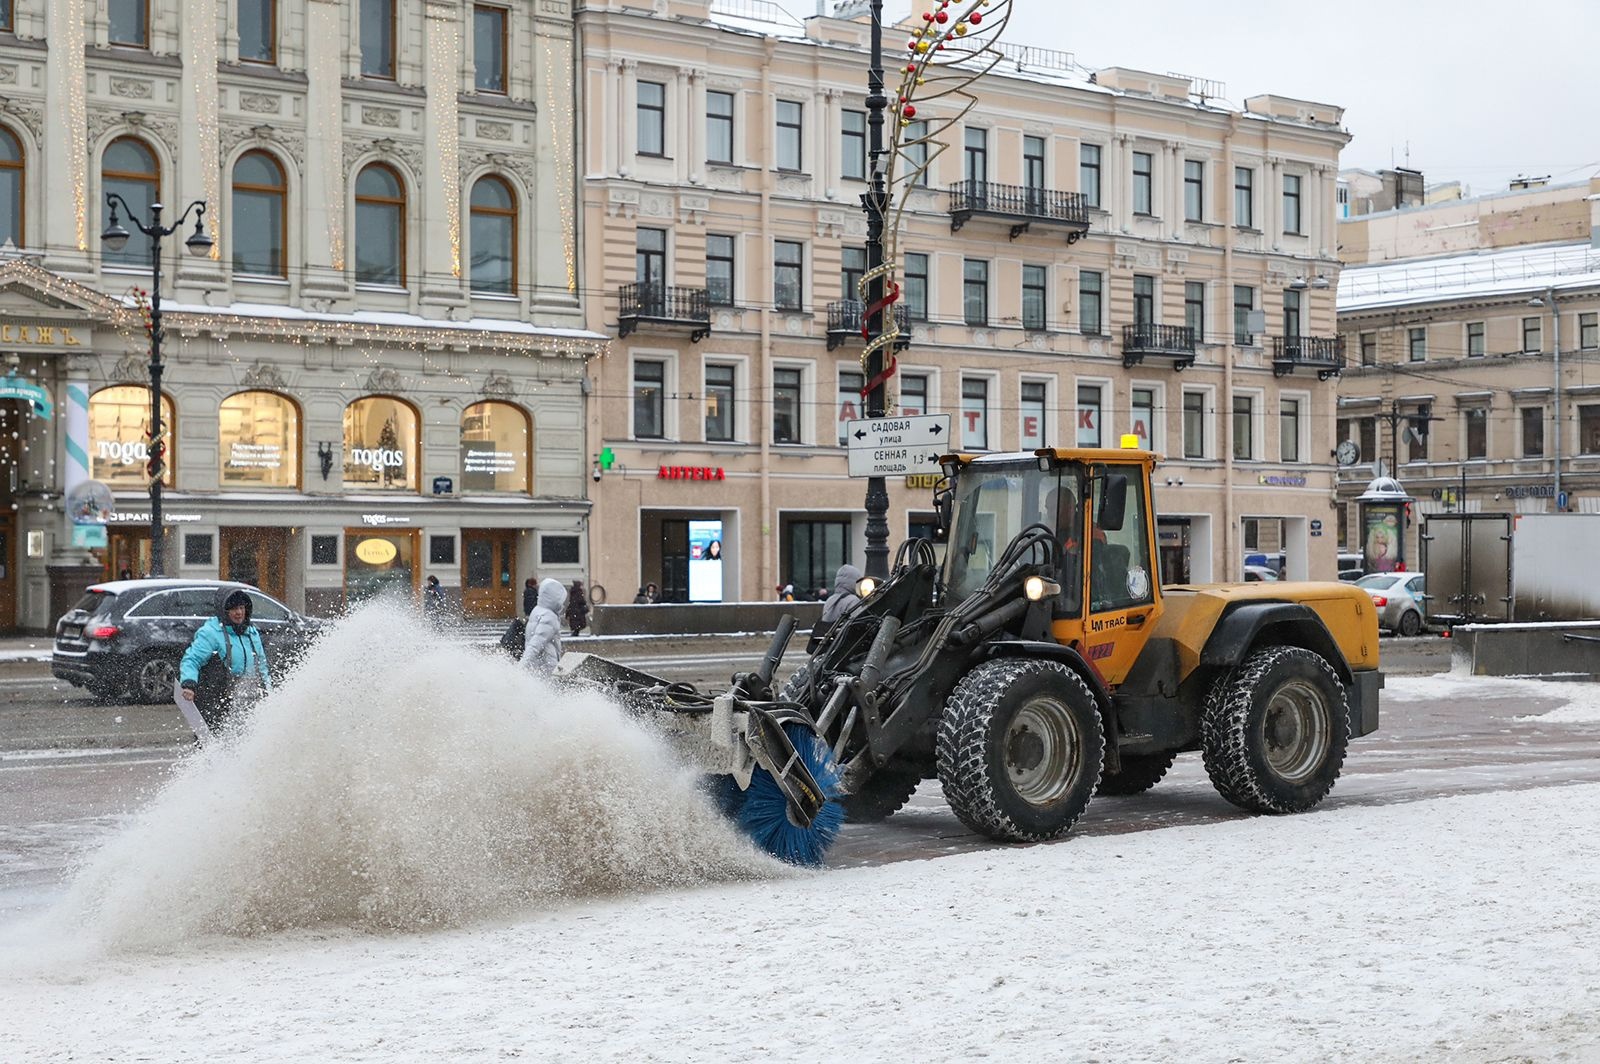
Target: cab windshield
995	503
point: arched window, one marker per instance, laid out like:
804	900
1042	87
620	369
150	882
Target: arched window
380	226
495	449
119	450
381	444
11	168
259	441
494	236
129	168
260	221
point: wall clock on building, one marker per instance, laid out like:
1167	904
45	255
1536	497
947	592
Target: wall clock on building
1347	453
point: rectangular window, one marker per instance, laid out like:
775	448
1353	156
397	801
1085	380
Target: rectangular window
1417	344
1244	197
652	118
1144	299
1367	438
1143	423
791	128
788	260
1194	190
913	394
1194	424
1194	309
852	267
649	406
1477	418
719	269
849	406
975	291
916	294
1243	425
719	127
130	23
1291	203
1143	183
650	266
7	17
1089	413
377	38
1369	349
1291	312
1589	331
1031	423
1035	293
1089	173
1533	432
1091	295
1033	169
1416	436
1475	347
853	145
1244	301
258	29
324	550
558	550
785	405
719	402
1532	344
197	548
975	413
975	166
1589	430
915	147
1289	429
489	48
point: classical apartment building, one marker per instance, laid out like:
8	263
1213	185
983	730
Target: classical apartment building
375	374
1474	373
1098	252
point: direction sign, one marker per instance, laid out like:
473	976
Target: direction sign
894	446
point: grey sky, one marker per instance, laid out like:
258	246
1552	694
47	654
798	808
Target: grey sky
1481	91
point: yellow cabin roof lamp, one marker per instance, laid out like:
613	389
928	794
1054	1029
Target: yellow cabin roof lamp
1130	441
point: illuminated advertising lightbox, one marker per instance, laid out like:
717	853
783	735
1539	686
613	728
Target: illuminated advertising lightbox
1383	536
705	561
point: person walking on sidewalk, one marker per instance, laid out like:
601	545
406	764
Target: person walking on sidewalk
224	671
577	607
530	595
542	644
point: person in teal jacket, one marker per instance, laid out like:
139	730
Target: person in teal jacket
232	641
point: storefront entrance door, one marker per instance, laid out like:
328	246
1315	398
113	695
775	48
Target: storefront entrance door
258	556
488	567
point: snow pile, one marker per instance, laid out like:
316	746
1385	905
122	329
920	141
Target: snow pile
1580	700
397	783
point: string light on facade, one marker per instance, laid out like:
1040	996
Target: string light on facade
203	47
564	164
444	65
68	30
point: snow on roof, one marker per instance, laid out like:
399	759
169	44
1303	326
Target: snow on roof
376	317
1482	197
1474	274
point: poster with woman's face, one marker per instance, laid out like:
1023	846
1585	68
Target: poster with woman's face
705	561
1384	538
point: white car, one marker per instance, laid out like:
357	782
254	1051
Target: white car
1399	598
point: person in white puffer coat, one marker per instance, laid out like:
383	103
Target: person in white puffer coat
542	648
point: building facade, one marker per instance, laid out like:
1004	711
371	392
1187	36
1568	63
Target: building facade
376	372
1094	253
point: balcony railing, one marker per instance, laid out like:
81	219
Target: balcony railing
844	323
1023	206
1166	341
1325	354
660	304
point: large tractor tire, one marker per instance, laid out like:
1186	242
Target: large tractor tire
1139	773
1274	731
1020	749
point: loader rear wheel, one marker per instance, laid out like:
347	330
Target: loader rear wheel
1139	773
1020	749
1274	731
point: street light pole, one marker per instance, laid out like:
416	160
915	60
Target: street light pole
876	203
115	238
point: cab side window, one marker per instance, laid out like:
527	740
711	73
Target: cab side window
1119	563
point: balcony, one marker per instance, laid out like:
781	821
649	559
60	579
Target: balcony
1022	207
666	305
1325	354
844	323
1147	339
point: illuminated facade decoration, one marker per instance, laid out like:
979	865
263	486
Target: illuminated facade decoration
258	436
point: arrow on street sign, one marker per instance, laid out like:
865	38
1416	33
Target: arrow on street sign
893	446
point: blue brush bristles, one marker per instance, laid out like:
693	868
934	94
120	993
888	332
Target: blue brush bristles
764	816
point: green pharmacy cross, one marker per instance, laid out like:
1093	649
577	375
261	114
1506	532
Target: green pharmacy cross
606	459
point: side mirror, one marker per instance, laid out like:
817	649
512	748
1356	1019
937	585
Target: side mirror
944	502
1113	502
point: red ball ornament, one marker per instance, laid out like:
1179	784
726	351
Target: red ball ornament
975	18
943	17
941	46
927	16
911	45
909	110
911	68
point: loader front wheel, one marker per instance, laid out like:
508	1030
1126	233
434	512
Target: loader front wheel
1274	731
1139	773
1020	749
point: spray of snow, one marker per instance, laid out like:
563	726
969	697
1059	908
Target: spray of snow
398	783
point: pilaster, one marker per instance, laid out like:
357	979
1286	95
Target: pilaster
440	261
325	185
66	140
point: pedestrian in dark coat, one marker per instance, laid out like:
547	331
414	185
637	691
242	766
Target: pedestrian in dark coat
577	607
530	595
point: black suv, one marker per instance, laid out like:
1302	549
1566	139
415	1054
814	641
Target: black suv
124	637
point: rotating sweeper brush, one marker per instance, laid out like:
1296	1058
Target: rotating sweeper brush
770	771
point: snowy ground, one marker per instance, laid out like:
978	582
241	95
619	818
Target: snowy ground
363	877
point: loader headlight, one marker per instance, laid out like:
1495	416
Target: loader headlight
866	586
1037	587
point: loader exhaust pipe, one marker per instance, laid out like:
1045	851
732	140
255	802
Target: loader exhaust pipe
780	642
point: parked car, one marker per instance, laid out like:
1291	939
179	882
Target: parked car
1260	572
1399	598
123	638
1352	576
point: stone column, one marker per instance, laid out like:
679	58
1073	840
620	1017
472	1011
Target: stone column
1117	183
66	141
323	240
627	116
697	126
681	117
606	111
71	568
1272	200
440	262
